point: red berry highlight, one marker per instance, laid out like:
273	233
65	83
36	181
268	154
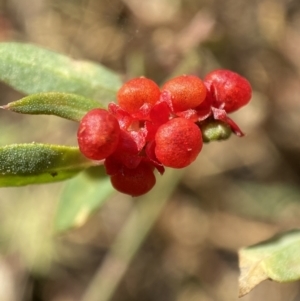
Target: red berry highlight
136	92
187	92
134	182
98	134
178	143
230	91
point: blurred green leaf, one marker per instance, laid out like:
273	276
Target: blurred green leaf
81	196
69	106
30	69
277	259
23	164
271	202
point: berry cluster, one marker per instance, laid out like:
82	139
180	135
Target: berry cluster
151	128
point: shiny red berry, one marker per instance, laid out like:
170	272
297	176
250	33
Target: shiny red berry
134	182
230	91
186	91
98	134
178	143
137	92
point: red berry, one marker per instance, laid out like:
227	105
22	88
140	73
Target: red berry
127	151
230	90
135	181
187	92
98	134
178	143
136	92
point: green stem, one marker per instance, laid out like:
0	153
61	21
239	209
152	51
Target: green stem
130	239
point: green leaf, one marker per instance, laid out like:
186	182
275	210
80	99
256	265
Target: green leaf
81	196
23	164
30	69
277	259
69	106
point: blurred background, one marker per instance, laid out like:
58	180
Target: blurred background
238	192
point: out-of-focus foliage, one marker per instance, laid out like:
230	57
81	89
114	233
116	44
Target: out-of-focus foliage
276	259
80	197
30	69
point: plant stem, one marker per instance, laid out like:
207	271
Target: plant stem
130	238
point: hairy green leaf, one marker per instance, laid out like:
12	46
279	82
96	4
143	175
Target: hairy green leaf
277	259
81	196
30	69
23	164
69	106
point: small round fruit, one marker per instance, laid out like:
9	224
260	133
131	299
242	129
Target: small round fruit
215	130
187	92
136	92
230	90
98	134
134	182
178	143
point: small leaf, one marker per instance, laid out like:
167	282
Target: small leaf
277	259
69	106
23	164
81	196
30	69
